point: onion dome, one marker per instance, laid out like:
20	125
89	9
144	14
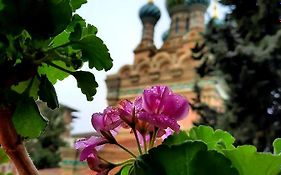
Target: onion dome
165	35
150	10
172	3
202	2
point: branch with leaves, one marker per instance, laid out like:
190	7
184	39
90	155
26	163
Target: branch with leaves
41	42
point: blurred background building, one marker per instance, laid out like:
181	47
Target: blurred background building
171	65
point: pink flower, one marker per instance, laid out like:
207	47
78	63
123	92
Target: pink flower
163	108
129	110
106	121
98	166
89	147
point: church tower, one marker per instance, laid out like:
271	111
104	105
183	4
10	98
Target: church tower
172	63
149	15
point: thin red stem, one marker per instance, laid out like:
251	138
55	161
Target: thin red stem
13	146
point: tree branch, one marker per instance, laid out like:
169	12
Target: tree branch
13	145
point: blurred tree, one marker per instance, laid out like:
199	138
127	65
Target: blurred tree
244	52
44	150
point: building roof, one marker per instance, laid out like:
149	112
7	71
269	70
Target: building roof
150	10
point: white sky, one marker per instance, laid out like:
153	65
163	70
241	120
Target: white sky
120	28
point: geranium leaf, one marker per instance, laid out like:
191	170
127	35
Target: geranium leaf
54	74
28	121
95	52
124	170
277	146
47	18
77	33
248	161
47	93
176	138
215	140
87	83
22	86
186	158
76	4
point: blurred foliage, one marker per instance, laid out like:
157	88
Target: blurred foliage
41	42
243	51
44	150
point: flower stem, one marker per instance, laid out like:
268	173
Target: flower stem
138	142
125	149
13	146
152	140
144	144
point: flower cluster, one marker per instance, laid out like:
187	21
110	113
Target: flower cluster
150	116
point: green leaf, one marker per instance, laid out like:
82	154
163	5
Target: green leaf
47	93
1	5
248	161
277	146
60	39
77	33
54	74
188	158
176	139
215	140
87	83
22	87
28	121
76	4
95	52
46	18
3	156
125	170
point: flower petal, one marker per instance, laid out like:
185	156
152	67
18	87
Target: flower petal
88	146
112	118
153	97
175	106
159	120
98	121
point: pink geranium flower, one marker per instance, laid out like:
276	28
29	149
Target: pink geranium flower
129	110
163	108
95	164
106	121
89	147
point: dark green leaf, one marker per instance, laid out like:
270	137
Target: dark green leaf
76	4
47	18
277	146
22	86
28	121
76	34
1	5
95	52
87	83
248	161
188	158
47	93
